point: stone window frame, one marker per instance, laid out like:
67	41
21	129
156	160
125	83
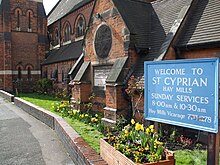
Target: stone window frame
54	74
45	73
67	32
18	14
19	69
56	37
65	74
29	16
29	68
80	27
94	48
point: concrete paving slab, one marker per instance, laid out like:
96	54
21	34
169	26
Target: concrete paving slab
26	141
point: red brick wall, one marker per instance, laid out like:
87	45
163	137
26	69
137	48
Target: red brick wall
116	25
25	49
81	93
61	66
113	97
190	54
85	11
25	6
171	54
201	53
22	47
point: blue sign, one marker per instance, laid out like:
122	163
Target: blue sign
183	93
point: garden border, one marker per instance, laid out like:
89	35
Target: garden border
80	152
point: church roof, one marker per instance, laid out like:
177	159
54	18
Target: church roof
136	16
64	7
67	52
163	15
204	25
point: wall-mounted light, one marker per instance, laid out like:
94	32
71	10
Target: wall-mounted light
98	16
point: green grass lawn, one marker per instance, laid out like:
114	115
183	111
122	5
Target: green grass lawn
92	136
88	133
43	101
188	157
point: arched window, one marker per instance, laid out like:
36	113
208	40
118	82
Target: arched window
57	37
80	27
29	17
29	73
63	76
19	73
18	19
67	31
45	75
29	20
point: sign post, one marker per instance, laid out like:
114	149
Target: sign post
211	150
184	93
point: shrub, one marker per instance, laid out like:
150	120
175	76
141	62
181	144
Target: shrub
44	86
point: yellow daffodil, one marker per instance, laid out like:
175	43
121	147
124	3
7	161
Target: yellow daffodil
139	127
151	126
147	131
132	121
142	127
126	132
146	148
152	130
94	120
158	142
136	159
96	115
74	112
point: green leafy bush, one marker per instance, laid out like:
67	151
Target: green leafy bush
44	86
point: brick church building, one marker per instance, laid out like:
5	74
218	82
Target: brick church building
23	41
97	46
122	34
67	24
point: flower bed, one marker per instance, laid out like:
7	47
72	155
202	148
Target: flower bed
114	157
135	144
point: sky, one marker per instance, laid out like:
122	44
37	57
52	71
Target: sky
49	4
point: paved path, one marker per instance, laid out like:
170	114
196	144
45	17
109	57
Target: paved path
26	141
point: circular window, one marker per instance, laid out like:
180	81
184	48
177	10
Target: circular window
103	41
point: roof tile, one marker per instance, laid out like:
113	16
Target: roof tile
64	53
63	8
204	25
